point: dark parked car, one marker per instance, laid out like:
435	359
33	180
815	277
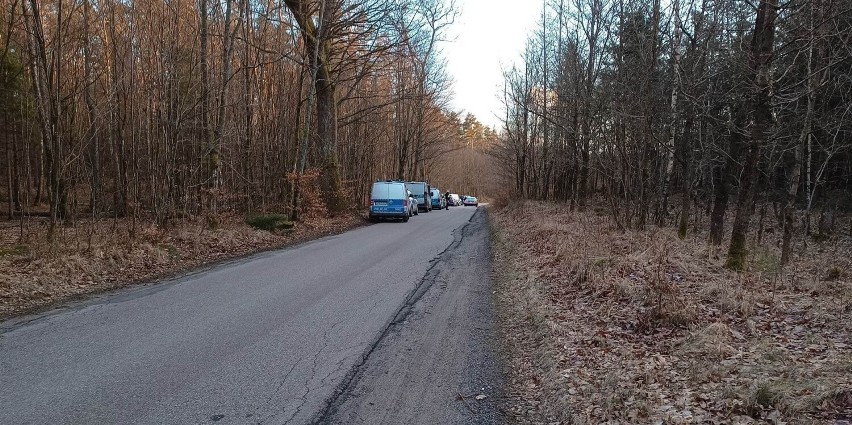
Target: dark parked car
421	194
439	202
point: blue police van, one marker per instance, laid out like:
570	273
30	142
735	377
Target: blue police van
389	199
438	200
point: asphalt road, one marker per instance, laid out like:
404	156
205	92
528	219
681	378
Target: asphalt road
437	362
389	323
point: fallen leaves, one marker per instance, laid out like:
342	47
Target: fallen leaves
605	326
103	256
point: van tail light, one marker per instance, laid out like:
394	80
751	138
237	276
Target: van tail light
405	202
372	203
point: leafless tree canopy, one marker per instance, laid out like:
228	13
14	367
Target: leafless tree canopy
171	108
709	103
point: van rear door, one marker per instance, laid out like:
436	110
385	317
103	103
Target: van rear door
381	192
388	198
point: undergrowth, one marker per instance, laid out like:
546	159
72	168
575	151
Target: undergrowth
644	327
270	222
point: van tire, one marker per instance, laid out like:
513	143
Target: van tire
405	218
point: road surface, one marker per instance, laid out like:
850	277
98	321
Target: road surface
389	323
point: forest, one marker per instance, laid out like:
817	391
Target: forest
672	112
678	249
160	110
669	233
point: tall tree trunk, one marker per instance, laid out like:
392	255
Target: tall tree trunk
761	60
248	112
215	154
790	200
724	177
117	121
91	132
648	153
673	122
804	139
317	38
327	133
688	180
10	168
207	136
46	76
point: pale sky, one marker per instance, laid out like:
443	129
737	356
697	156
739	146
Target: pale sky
488	36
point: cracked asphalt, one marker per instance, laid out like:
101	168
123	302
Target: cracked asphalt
436	363
316	333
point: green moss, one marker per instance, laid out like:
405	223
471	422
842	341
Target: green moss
737	253
172	251
681	229
16	250
834	273
270	222
736	262
767	262
765	396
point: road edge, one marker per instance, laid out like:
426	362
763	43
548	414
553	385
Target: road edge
329	407
152	284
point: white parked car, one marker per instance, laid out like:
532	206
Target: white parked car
412	205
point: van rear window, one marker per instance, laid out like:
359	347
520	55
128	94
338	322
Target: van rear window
418	189
380	191
384	190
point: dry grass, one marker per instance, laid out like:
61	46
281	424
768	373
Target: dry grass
86	259
605	326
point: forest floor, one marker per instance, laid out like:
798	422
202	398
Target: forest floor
86	259
640	327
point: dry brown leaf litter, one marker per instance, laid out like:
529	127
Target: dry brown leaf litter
35	274
640	327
